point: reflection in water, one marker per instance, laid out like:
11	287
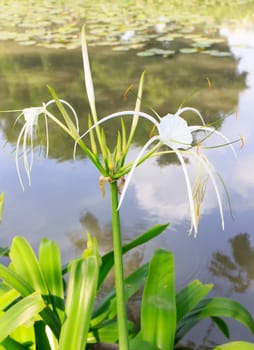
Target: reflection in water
90	223
168	84
237	268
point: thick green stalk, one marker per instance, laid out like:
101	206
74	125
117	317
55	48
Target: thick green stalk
119	275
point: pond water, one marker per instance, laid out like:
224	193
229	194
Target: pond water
64	200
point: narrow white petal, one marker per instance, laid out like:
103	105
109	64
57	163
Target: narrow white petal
208	166
184	109
134	165
27	166
47	134
71	108
189	191
17	157
224	138
88	75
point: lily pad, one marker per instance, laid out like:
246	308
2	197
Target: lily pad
188	50
217	53
27	42
156	52
202	44
121	48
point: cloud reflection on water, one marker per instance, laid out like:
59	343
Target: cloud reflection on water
155	188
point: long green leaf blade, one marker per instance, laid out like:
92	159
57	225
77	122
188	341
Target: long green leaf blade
50	262
215	307
190	296
7	297
26	264
80	299
158	309
138	344
12	279
41	338
108	332
236	345
137	109
20	313
10	343
73	131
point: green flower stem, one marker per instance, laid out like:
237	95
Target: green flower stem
119	275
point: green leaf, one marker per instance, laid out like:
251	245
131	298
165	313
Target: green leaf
138	344
92	138
124	142
190	296
26	264
41	338
12	344
137	109
108	259
4	251
71	127
214	307
107	332
107	306
158	309
221	324
236	345
24	334
50	263
15	281
118	149
20	313
28	277
80	297
1	206
7	297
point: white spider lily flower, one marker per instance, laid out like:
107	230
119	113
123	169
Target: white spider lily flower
29	131
27	134
174	132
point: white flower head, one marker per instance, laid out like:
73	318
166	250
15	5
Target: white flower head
31	117
28	133
174	132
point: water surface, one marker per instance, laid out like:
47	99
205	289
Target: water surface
64	200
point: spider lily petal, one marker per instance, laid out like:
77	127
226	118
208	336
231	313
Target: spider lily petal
31	119
139	156
174	132
209	168
184	109
26	135
71	108
214	131
88	76
189	192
